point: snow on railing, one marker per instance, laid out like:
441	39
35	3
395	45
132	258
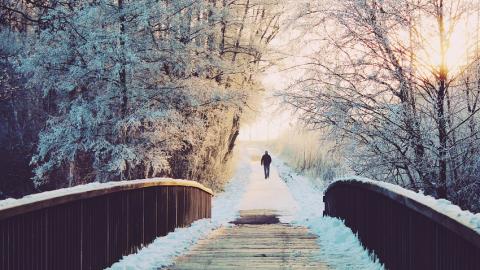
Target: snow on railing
405	229
92	226
63	195
443	206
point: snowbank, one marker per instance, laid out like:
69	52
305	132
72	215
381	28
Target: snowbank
163	251
340	247
443	206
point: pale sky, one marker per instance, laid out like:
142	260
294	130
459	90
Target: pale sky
273	119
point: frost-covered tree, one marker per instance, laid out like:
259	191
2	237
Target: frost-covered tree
386	81
22	110
141	88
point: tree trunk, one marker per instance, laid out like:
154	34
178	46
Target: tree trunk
240	31
223	29
441	116
122	73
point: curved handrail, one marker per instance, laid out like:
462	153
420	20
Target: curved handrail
406	230
38	201
418	206
94	225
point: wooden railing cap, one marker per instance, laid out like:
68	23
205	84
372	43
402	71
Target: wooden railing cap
12	207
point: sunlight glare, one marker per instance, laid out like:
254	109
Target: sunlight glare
458	48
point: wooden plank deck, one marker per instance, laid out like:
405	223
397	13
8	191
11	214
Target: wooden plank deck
257	241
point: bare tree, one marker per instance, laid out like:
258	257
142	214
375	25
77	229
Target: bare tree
387	79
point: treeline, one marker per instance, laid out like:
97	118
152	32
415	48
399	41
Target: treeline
396	85
107	90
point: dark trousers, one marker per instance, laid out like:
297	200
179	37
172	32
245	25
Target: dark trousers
266	169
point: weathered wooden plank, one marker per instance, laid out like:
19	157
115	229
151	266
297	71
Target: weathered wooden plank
254	246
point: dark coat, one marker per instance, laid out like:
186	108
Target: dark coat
266	160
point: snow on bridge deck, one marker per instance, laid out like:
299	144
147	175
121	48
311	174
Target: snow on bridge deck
251	245
258	240
279	225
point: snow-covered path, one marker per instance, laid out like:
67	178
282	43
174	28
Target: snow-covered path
300	202
269	194
290	195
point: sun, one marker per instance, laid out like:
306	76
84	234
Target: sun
460	39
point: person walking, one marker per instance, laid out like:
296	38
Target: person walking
266	160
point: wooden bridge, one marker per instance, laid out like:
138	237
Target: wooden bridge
92	229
